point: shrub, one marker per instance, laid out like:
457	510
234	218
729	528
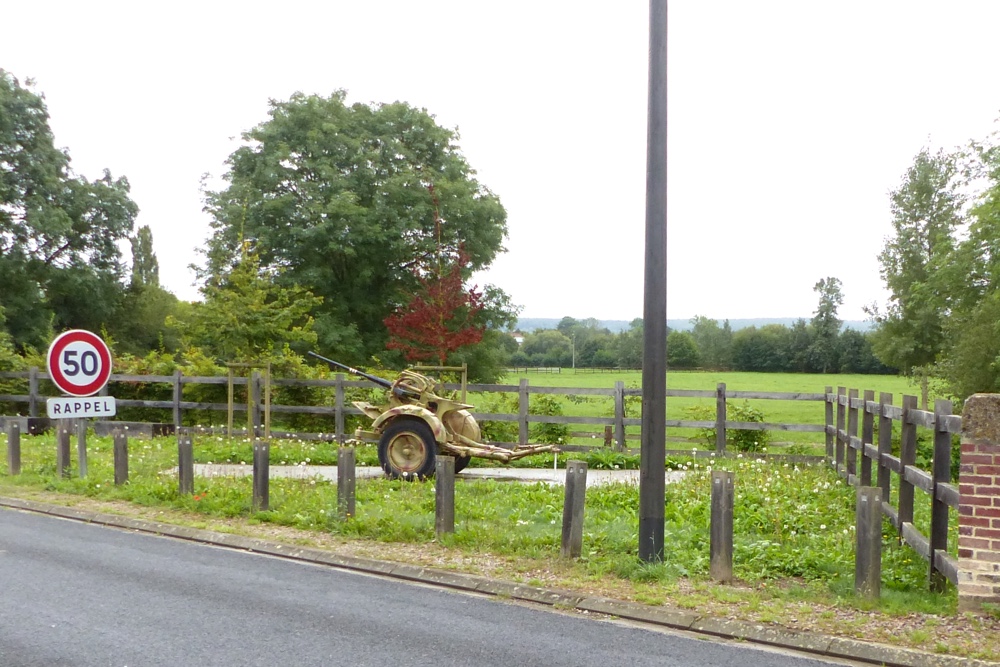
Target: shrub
739	440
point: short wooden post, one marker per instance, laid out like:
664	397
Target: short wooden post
907	457
884	445
522	412
338	418
345	482
255	404
13	448
852	434
609	437
81	447
841	421
721	526
62	448
444	495
573	507
185	464
941	472
720	418
867	438
868	553
178	393
620	440
33	397
829	423
121	457
261	475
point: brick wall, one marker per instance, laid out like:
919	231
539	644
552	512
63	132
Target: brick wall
979	506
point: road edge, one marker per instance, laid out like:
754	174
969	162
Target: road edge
808	642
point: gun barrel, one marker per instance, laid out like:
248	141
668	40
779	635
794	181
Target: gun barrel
382	382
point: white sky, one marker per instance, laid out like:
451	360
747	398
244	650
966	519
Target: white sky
790	121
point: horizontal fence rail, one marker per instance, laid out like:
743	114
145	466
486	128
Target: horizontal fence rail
846	412
614	435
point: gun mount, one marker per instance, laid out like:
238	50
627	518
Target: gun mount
418	423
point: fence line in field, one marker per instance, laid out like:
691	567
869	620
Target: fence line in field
844	445
617	422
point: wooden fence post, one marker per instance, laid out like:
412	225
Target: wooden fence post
33	391
255	402
346	482
941	473
867	437
841	421
81	446
720	418
121	457
13	448
884	444
620	440
185	464
907	457
828	411
338	417
721	526
522	412
868	551
852	435
573	507
444	495
609	438
62	448
261	474
178	393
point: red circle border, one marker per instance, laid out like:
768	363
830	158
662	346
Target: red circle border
56	348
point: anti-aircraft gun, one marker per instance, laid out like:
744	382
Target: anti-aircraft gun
418	423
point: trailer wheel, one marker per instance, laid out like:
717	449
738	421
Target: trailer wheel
461	463
407	449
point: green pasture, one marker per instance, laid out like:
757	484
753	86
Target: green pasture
775	411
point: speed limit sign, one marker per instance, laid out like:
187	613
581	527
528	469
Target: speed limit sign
79	363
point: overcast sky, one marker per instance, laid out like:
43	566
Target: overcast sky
790	122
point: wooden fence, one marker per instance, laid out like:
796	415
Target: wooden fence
614	425
878	463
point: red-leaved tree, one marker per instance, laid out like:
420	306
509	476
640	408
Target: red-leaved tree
440	318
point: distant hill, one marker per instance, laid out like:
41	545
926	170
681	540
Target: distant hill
528	324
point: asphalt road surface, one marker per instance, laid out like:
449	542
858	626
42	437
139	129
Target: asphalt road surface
85	595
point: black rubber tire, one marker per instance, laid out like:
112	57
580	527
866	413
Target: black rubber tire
407	450
461	463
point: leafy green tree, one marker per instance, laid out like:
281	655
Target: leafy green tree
145	267
247	316
59	233
346	200
714	343
826	325
801	338
681	350
630	345
761	350
917	263
548	347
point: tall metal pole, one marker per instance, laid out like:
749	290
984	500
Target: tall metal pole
652	491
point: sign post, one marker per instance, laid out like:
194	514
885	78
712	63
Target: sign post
79	364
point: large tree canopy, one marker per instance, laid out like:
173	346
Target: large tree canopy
341	199
59	258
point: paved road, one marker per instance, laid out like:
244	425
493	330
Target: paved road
84	595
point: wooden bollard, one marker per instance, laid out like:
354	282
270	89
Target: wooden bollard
444	495
81	447
185	464
345	482
62	449
868	554
121	457
721	527
573	506
14	448
261	475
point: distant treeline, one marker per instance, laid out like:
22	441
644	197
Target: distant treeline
802	347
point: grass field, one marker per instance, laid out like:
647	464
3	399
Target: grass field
775	411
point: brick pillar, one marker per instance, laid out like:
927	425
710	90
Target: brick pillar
979	504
